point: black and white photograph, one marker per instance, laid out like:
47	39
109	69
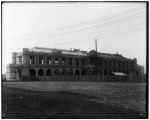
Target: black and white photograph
74	59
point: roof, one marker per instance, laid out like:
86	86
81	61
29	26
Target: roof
75	52
139	66
41	50
119	73
66	52
106	55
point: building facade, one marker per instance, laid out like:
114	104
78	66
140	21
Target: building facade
44	63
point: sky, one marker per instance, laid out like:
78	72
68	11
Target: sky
117	26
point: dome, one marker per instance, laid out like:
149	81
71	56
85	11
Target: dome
92	53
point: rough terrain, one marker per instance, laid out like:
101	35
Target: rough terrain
73	100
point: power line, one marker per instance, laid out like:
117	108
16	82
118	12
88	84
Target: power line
93	36
96	26
91	21
109	16
129	23
130	28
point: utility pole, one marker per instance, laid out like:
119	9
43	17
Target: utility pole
96	44
96	58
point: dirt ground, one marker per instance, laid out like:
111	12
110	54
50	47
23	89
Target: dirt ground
73	100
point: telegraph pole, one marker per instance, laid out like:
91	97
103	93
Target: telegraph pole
96	58
96	44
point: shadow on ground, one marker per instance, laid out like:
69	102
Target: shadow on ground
19	103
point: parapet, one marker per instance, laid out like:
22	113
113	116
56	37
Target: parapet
10	65
135	60
14	54
25	50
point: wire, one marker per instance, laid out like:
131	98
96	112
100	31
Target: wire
131	27
91	21
74	33
78	30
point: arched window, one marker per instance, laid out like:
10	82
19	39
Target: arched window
49	72
56	72
40	72
32	72
83	72
105	72
70	61
70	72
63	72
49	61
77	62
41	60
31	60
63	61
56	60
77	72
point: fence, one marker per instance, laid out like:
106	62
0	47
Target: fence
95	78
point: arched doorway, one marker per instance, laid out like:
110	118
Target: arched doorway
56	72
63	72
32	72
40	72
49	72
18	74
77	72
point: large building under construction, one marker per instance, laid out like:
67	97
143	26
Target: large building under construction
55	64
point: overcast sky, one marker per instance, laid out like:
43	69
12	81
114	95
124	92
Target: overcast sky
117	26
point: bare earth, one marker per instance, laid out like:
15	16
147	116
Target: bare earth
124	95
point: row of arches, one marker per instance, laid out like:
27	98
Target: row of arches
56	72
50	72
